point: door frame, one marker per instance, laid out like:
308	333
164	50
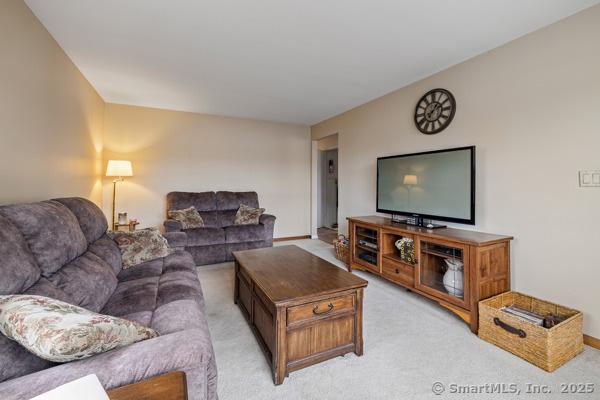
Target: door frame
314	189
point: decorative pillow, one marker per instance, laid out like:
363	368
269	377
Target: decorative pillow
140	246
61	332
189	217
248	215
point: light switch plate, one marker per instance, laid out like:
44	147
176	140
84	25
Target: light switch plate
589	178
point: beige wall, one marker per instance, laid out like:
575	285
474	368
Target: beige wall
329	142
532	109
181	151
50	116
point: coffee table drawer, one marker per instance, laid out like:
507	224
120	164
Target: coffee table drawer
319	309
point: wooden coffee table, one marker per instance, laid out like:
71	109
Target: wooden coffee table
302	309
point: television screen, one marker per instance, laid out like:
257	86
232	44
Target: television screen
436	185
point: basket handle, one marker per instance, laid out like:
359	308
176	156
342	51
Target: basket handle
508	328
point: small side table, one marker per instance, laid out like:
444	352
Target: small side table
130	227
172	386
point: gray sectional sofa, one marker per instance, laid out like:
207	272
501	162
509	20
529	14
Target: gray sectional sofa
215	242
59	249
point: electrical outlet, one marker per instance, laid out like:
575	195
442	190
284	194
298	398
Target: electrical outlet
589	178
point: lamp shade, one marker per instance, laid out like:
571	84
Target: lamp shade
410	179
119	168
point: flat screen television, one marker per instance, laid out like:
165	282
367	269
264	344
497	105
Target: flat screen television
437	185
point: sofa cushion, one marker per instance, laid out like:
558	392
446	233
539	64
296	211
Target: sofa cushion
18	269
205	236
144	270
204	255
91	218
233	200
109	251
179	280
142	317
226	218
132	297
178	316
179	261
88	280
16	361
244	233
174	281
209	218
51	231
177	240
61	332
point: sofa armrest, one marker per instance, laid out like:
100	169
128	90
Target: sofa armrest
189	351
173	226
268	221
177	240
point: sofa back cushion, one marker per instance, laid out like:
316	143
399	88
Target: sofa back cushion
233	200
51	230
18	269
88	280
43	287
108	250
228	204
90	217
204	202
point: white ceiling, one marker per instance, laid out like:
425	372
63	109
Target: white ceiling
280	60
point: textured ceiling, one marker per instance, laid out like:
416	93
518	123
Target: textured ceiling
279	60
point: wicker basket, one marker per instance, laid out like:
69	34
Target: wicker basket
546	348
342	251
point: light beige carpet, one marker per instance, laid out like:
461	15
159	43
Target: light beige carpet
410	343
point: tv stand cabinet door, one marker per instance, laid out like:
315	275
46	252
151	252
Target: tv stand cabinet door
431	268
358	232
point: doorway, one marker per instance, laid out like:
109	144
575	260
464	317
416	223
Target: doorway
327	189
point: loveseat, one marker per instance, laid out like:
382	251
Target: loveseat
219	238
59	249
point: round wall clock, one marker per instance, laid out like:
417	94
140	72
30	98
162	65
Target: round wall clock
435	111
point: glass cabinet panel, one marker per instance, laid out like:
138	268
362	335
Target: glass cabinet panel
442	268
366	246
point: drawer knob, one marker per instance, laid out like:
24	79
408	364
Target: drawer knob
397	271
317	312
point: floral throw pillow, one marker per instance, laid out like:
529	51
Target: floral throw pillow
248	215
140	246
61	332
189	217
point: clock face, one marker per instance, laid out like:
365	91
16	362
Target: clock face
435	111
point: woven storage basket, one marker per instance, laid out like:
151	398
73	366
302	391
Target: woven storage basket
342	251
546	348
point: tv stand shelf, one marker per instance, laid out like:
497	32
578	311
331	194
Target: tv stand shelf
484	259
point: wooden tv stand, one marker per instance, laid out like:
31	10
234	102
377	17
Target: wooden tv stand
485	258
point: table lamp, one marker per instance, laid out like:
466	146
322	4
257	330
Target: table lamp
117	169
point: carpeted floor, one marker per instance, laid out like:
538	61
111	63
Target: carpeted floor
410	343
